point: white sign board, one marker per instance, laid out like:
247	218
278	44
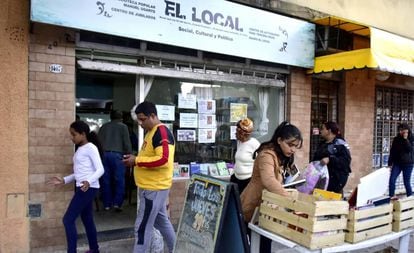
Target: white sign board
216	26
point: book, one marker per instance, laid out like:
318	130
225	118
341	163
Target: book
184	170
222	169
380	200
176	170
212	169
294	183
194	168
293	174
204	168
326	195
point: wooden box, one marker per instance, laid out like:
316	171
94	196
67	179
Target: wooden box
304	219
403	215
368	223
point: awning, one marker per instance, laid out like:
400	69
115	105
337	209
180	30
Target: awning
388	52
344	24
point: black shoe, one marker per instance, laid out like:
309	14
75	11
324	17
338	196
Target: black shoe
117	209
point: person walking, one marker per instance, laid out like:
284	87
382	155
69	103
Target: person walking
401	159
273	159
87	168
153	174
115	139
246	146
334	152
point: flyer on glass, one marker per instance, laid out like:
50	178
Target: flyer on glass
188	120
166	112
233	132
237	111
207	106
206	135
186	135
187	101
207	121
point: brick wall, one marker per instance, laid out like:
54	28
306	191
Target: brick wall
176	200
358	116
51	110
299	95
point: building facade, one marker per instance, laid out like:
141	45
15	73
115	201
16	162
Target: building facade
44	67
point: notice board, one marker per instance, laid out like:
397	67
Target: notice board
211	220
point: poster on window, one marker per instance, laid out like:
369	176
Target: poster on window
207	121
166	112
206	135
233	132
186	135
188	120
237	111
187	101
207	106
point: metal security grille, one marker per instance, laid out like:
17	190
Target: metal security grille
393	106
324	108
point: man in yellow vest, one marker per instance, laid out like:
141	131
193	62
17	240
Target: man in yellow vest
153	174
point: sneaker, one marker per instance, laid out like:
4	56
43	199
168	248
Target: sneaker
107	208
117	208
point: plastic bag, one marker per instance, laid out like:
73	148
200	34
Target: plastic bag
316	176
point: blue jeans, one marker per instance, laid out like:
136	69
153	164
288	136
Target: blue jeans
113	180
395	171
81	204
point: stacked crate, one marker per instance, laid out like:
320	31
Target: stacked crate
403	214
368	223
304	219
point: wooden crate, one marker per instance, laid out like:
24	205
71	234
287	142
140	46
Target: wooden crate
369	223
304	219
403	215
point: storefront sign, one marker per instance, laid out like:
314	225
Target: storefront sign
216	26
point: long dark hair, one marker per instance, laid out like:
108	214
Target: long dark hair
284	131
81	127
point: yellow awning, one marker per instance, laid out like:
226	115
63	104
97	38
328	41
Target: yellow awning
388	52
355	59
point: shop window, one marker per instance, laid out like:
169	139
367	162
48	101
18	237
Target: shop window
392	107
204	124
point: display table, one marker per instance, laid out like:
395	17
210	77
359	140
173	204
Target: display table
403	236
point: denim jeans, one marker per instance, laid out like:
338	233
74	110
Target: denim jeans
395	171
113	180
81	204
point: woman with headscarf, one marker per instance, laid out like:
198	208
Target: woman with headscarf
246	146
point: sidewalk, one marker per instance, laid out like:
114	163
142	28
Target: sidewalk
126	245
